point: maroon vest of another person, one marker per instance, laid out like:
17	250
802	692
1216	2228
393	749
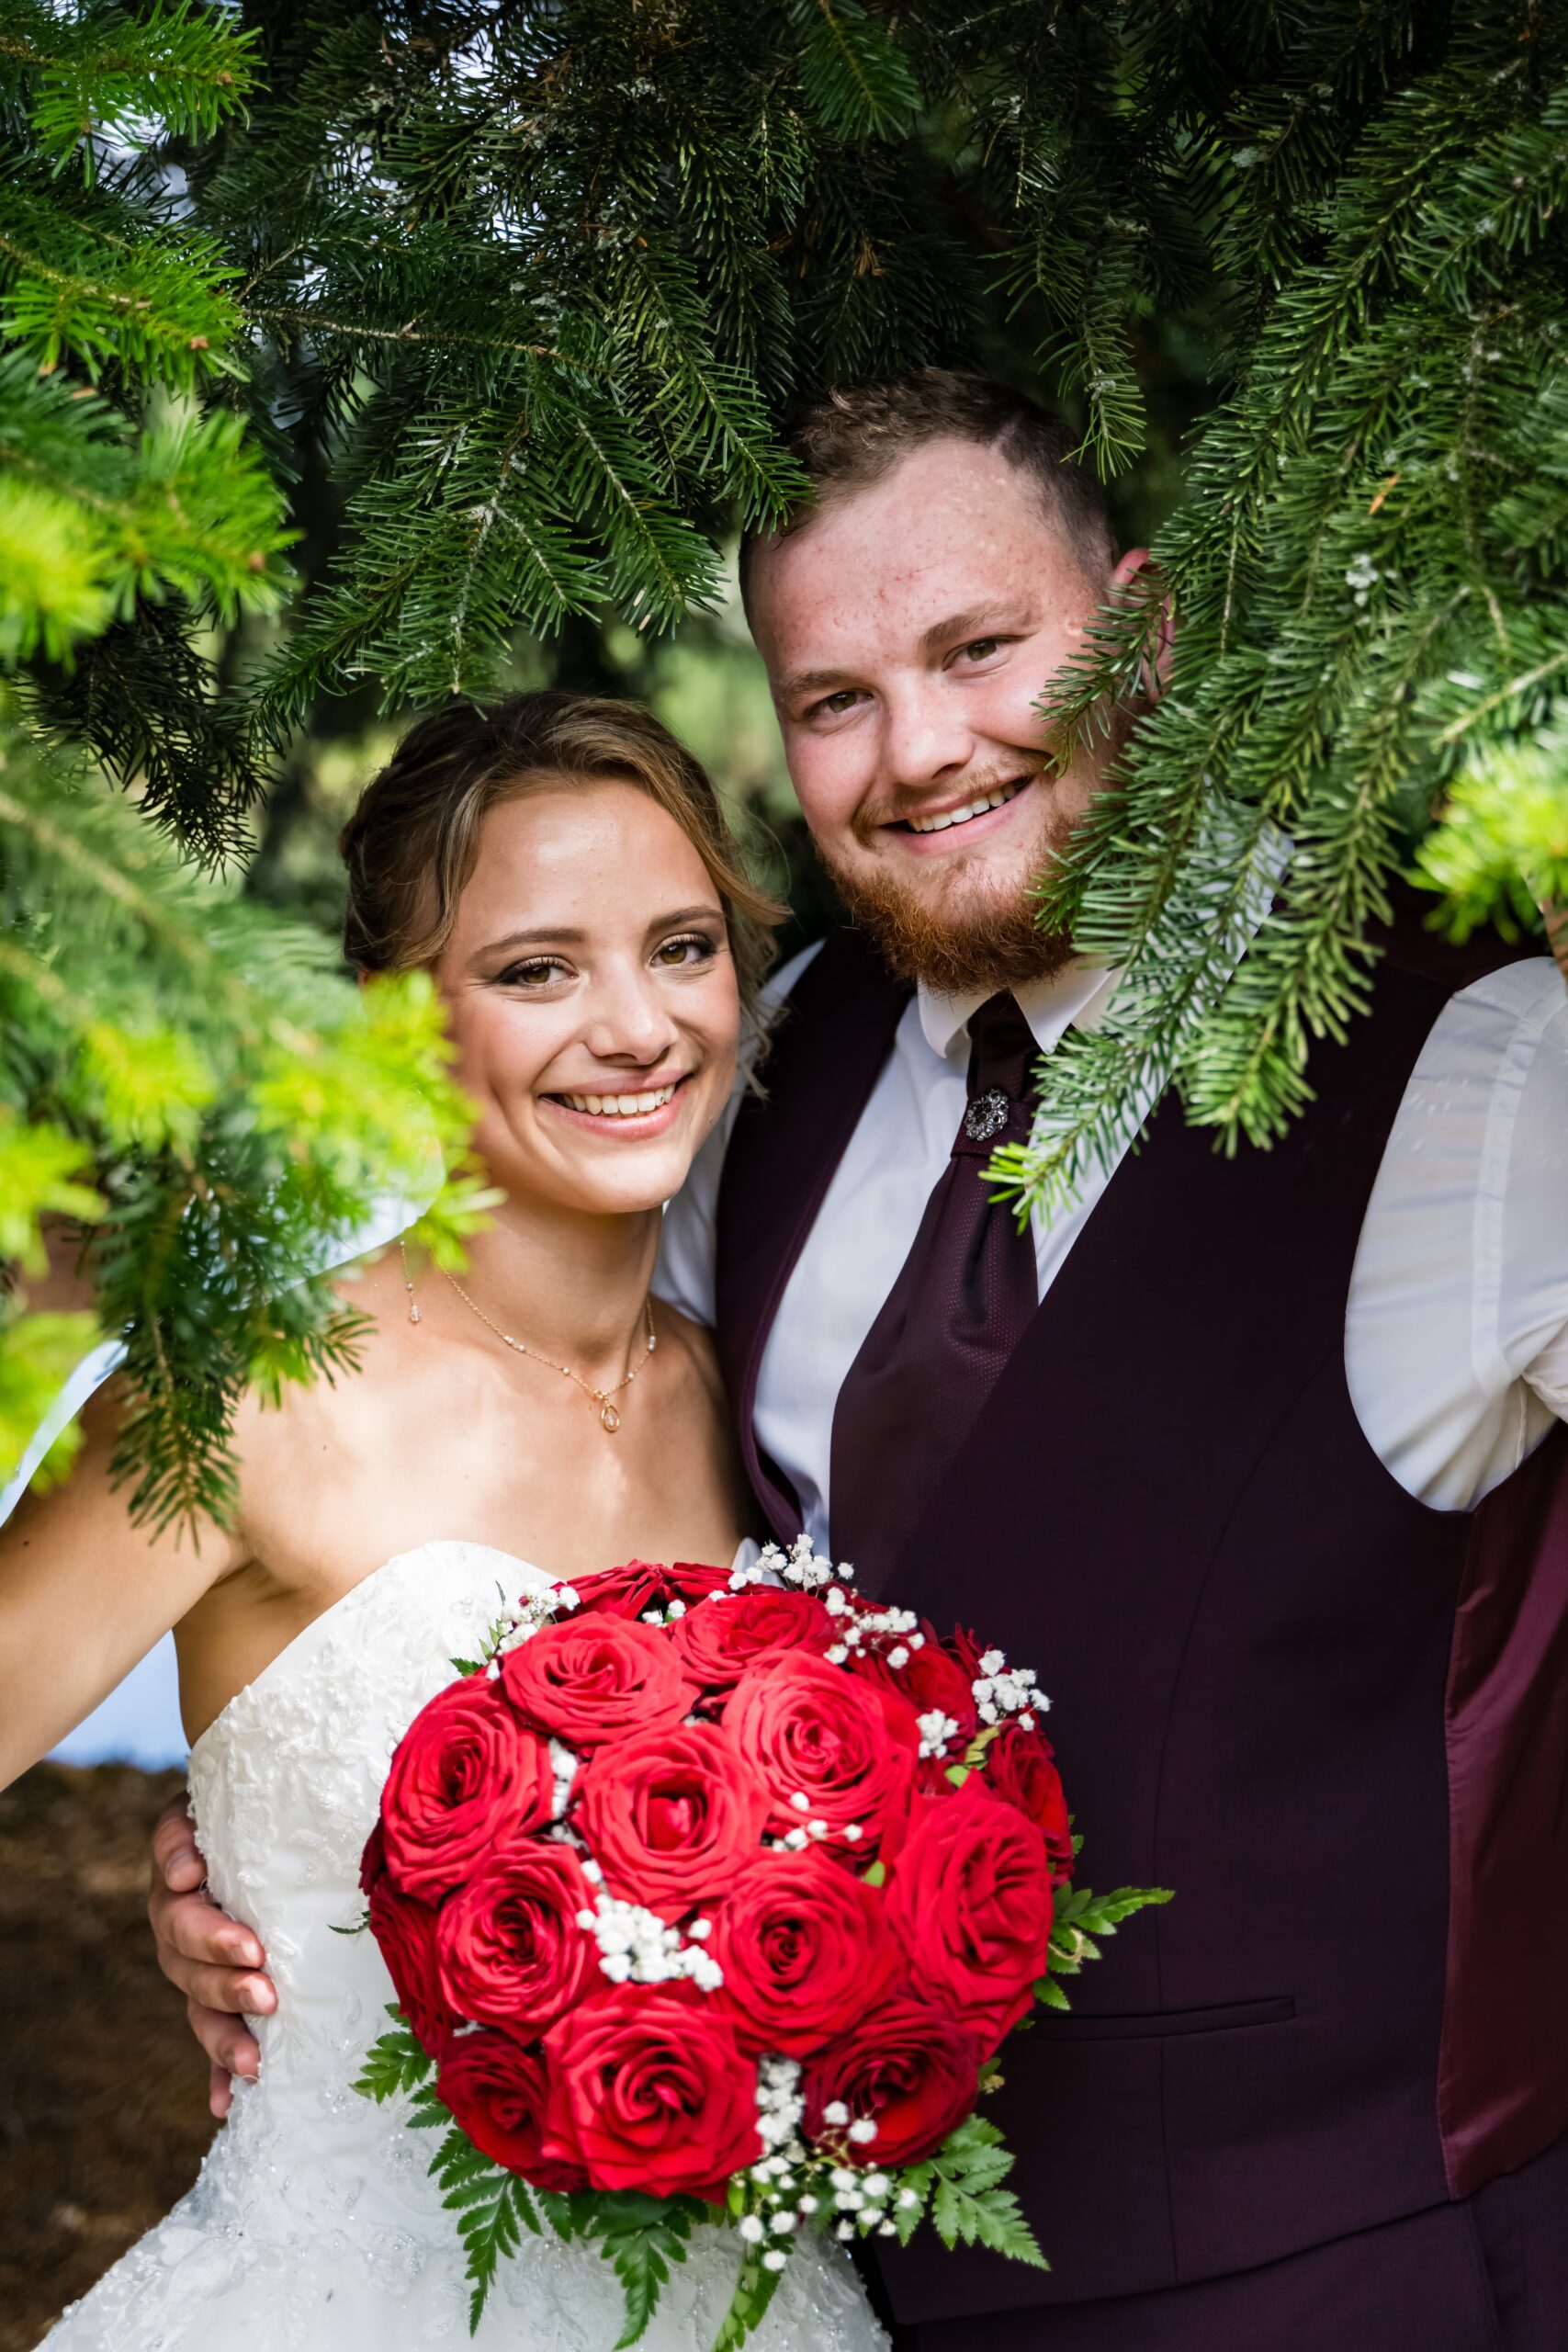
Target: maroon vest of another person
1333	1719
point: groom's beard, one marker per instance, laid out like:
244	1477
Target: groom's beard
986	944
962	936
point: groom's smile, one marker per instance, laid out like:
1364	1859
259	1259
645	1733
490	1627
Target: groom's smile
955	823
972	810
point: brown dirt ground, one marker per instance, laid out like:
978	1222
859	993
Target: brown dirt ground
103	2092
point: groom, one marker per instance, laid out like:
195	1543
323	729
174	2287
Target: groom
1258	1461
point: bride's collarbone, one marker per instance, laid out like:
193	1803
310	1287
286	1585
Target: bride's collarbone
445	1445
348	1477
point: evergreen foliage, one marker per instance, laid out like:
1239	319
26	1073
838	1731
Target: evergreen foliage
529	288
1367	570
232	1099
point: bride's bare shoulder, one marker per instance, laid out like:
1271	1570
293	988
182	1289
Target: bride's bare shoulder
328	1464
365	1382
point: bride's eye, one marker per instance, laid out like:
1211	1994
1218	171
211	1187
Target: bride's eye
691	949
532	972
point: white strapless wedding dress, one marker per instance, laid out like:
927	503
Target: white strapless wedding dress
314	2226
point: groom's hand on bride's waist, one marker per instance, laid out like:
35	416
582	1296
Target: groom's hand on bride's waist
215	1961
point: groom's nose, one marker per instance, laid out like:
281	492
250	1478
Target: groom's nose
927	735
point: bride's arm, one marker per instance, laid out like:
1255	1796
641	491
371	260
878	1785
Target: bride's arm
84	1593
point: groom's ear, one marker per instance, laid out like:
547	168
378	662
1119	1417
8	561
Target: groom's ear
1138	574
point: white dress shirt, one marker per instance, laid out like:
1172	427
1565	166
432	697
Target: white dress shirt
1456	1322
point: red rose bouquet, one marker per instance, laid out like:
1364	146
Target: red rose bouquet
712	1894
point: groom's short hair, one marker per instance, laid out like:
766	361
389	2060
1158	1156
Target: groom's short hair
853	435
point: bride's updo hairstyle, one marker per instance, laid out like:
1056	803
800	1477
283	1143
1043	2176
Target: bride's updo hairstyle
411	844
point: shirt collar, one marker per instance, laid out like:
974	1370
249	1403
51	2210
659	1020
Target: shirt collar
1074	998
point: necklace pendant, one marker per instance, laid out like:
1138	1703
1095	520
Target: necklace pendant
610	1417
414	1312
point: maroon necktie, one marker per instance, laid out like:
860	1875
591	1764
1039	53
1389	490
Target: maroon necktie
961	1304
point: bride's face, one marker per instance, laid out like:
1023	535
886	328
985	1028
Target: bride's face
592	998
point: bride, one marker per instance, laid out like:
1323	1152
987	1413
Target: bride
562	868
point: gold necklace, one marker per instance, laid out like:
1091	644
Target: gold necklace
609	1419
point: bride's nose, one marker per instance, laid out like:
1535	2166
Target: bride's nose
629	1021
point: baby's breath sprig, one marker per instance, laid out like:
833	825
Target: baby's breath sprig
538	1611
801	1565
1001	1690
791	2186
670	1616
636	1947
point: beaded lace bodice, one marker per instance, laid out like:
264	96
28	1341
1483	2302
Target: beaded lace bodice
313	2224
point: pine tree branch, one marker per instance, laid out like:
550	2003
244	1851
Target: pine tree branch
1512	692
312	321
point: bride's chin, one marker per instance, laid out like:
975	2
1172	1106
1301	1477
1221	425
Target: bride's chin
625	1178
625	1193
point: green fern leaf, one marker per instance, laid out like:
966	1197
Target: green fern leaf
394	2062
991	2219
491	2232
754	2290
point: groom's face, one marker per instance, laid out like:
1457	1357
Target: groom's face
909	629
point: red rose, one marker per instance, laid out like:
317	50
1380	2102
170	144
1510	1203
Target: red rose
498	2093
965	1646
911	2070
466	1775
373	1860
848	1746
1021	1768
405	1931
930	1678
969	1898
722	1638
511	1953
596	1680
671	1816
648	2090
639	1586
806	1950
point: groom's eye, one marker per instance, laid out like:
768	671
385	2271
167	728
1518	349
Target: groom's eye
834	706
980	649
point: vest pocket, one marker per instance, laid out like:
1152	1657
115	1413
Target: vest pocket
1146	2024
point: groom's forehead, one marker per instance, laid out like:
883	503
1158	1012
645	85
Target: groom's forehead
948	485
947	531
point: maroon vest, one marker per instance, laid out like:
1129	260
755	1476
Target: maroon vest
1334	1719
